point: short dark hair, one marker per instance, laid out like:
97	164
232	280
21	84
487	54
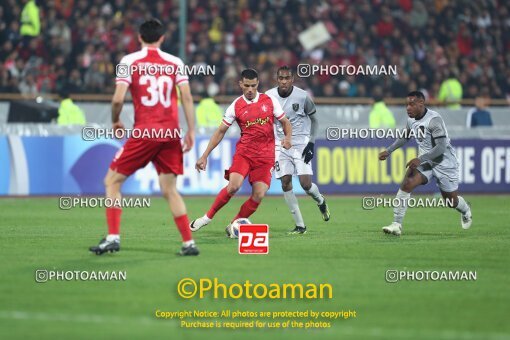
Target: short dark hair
151	30
284	68
249	73
417	94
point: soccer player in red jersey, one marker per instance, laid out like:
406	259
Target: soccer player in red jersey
255	113
152	76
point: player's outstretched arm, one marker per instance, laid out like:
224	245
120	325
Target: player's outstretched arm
213	143
189	114
397	144
287	131
117	103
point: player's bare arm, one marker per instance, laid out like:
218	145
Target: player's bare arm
117	103
287	130
213	143
189	114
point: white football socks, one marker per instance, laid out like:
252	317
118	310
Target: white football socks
400	210
316	195
462	206
293	205
188	243
112	237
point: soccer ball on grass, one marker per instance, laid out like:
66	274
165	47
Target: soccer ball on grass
232	229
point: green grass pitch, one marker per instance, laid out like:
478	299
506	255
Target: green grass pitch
350	252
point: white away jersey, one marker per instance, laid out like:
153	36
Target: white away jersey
298	106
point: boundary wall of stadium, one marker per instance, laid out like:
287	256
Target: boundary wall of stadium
344	116
68	165
47	159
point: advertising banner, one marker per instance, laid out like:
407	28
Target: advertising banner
70	165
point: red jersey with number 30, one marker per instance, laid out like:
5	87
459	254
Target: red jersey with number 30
255	119
152	76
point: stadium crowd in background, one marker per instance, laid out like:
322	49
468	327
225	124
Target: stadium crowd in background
80	42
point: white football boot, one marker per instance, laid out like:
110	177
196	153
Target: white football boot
394	228
466	219
200	222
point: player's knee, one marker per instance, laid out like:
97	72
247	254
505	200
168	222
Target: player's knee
306	186
408	184
165	191
108	181
113	180
170	194
165	194
258	195
286	186
232	188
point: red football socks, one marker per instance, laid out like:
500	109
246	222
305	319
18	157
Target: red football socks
182	223
248	208
222	199
113	220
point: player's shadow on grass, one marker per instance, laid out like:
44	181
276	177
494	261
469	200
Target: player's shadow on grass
171	249
439	234
212	238
118	260
411	235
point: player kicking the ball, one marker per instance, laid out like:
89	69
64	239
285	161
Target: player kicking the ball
254	157
155	102
300	110
436	159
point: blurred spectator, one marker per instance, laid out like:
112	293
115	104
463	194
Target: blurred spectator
62	33
94	79
380	116
30	23
28	87
424	39
4	79
69	113
209	113
418	16
450	92
479	115
74	83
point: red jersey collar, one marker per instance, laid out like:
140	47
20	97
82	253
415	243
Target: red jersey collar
256	99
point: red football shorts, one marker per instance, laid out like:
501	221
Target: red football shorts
258	169
137	153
